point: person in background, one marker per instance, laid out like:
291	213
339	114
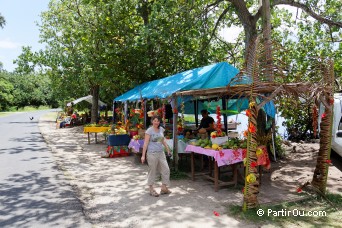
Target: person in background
153	151
188	134
207	123
70	109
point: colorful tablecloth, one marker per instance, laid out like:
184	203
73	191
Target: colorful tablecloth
135	145
223	157
95	129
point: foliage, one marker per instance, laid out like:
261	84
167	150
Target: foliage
2	21
6	97
278	142
25	90
298	117
111	46
107	42
30	108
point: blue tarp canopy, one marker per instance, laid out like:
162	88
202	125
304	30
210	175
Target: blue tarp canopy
207	77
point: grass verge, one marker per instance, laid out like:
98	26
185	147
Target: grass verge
312	212
2	114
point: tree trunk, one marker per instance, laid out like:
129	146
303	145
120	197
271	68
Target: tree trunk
266	19
95	103
251	52
251	34
320	176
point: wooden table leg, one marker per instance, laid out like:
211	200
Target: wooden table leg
216	176
202	162
260	174
192	166
88	138
210	166
234	167
95	138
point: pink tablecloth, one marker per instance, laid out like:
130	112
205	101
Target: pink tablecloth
223	157
135	145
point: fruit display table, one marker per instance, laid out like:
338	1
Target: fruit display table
95	130
225	157
137	145
117	146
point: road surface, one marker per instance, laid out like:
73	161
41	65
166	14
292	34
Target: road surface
33	192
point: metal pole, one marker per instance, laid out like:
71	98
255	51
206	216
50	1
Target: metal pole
196	112
175	130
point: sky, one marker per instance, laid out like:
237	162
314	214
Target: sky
20	29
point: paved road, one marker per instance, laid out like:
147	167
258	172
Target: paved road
33	193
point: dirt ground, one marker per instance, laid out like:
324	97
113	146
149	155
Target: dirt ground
114	192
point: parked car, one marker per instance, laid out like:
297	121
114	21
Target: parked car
336	140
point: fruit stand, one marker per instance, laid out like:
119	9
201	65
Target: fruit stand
136	145
225	157
117	146
221	158
95	129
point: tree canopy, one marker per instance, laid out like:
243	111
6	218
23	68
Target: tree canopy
2	21
106	47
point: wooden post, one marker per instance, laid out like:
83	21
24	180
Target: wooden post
196	112
224	107
251	189
125	110
145	114
175	135
113	111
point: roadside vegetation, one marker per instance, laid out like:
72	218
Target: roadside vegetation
314	211
105	48
24	109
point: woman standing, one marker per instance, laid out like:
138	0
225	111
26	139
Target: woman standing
154	149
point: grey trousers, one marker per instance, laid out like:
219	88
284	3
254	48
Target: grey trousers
157	164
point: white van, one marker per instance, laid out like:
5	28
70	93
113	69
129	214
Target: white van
336	140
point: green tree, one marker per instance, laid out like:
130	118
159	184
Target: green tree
30	90
6	88
2	24
115	45
2	21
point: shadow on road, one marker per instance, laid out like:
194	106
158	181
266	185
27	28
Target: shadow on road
31	193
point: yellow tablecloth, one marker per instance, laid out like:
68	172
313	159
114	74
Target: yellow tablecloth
95	129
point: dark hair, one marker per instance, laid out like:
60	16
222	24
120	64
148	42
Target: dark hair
156	117
204	111
187	130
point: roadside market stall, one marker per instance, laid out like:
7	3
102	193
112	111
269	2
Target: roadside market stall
163	90
320	93
170	89
88	99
